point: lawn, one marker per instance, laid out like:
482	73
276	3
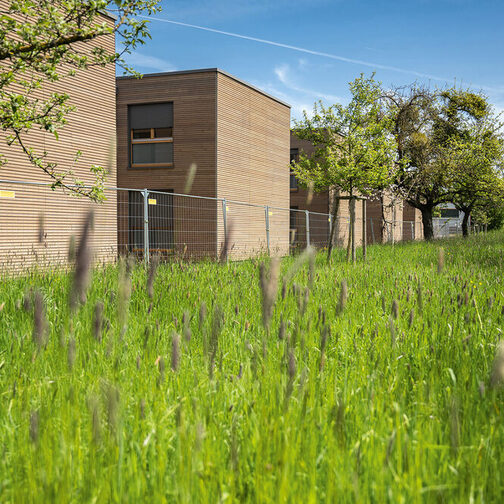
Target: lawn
373	382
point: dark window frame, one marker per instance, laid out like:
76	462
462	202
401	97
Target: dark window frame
152	139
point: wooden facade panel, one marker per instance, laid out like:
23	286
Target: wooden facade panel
194	131
90	130
253	161
193	96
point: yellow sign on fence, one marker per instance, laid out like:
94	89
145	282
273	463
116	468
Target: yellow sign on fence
7	194
152	201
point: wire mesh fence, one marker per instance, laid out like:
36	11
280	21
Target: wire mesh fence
38	225
446	227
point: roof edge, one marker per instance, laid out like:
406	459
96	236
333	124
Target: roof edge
208	70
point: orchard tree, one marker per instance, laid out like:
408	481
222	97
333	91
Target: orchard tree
422	178
477	180
44	41
438	134
470	131
353	149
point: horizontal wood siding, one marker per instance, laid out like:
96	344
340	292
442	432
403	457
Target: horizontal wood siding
194	142
412	223
253	165
91	130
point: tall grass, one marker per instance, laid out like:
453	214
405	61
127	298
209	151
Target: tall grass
202	383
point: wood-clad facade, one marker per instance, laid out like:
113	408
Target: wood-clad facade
236	137
90	130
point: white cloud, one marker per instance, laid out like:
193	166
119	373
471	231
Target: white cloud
144	61
283	74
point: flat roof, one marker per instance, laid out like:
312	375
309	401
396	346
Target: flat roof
207	70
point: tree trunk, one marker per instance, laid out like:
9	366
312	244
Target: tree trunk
465	222
334	224
428	226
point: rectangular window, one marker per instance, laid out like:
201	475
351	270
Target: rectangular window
151	135
294	158
450	213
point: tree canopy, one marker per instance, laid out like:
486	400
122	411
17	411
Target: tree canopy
450	145
353	149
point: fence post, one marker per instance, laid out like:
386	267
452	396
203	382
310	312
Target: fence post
224	218
412	230
307	218
372	229
352	227
364	229
146	226
330	230
266	220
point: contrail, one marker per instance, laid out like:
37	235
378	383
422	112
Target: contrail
303	50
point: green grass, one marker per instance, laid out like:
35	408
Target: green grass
402	410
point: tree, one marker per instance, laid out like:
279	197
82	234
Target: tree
353	150
435	131
44	41
471	133
421	176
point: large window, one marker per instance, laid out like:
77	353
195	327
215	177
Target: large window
151	135
294	158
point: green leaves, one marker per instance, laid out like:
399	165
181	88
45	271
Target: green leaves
43	41
353	147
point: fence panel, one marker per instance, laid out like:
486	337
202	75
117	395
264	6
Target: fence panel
319	230
279	231
37	226
246	228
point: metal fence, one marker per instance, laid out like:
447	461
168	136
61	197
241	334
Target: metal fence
38	225
446	227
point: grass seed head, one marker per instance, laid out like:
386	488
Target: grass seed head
41	230
291	366
112	402
395	308
226	245
497	376
40	324
281	330
153	266
82	264
175	352
441	260
94	411
419	297
124	291
202	314
411	317
98	321
342	297
34	426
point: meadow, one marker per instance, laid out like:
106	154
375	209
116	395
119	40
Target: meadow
298	381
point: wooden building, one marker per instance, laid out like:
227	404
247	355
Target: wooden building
36	223
234	135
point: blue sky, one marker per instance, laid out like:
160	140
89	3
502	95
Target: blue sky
430	41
